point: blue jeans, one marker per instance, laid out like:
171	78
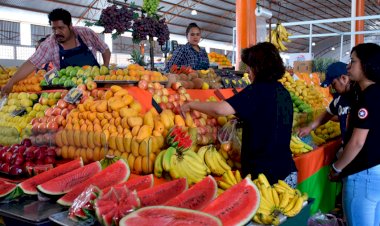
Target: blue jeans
361	198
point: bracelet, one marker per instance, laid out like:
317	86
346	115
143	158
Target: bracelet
335	169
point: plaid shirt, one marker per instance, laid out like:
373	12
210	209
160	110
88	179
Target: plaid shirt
188	56
48	51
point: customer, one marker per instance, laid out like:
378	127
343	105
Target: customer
359	164
337	77
190	54
266	109
68	46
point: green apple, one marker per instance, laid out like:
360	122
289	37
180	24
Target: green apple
33	96
55	81
43	82
57	95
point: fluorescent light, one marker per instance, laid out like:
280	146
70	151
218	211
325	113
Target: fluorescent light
194	12
332	48
313	44
25	34
108	41
347	53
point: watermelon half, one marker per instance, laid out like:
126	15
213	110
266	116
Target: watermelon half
138	184
114	205
29	186
113	174
197	197
162	193
168	216
64	183
237	205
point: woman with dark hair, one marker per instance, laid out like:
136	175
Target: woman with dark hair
266	109
190	54
359	164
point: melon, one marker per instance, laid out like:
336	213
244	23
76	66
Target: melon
168	216
112	206
162	193
198	196
140	183
83	204
65	183
9	191
113	174
29	186
237	205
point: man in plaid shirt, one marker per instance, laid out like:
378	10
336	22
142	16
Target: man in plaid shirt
67	46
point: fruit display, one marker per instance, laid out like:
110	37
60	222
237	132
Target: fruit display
16	159
108	19
219	59
31	83
228	180
6	74
277	199
145	27
201	79
298	147
278	36
328	131
214	160
132	73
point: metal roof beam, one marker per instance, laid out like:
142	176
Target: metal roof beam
335	34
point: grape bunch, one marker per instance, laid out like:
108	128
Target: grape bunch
119	19
148	26
150	6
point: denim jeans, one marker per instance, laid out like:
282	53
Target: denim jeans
361	198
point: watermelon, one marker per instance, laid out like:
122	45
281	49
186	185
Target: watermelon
179	139
197	197
83	204
6	188
113	174
64	183
169	216
138	184
112	206
29	186
162	193
237	205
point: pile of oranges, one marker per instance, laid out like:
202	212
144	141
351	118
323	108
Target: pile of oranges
31	83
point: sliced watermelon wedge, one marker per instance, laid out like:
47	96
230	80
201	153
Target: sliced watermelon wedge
140	183
168	216
237	205
29	186
162	193
113	174
198	196
65	183
6	188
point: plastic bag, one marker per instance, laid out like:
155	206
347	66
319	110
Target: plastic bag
231	135
321	219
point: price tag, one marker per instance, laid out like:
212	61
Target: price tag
156	106
73	96
50	75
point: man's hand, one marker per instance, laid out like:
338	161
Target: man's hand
185	108
7	88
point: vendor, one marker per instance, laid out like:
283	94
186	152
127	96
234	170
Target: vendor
190	54
266	109
48	66
67	46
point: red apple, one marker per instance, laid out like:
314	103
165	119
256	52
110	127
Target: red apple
29	154
64	112
143	84
94	93
163	106
56	111
34	120
181	90
17	159
171	98
35	128
42	128
51	151
52	126
48	112
157	86
176	96
39	154
81	87
176	85
26	142
158	92
43	100
63	93
61	104
165	92
16	170
5	167
49	159
169	105
7	157
71	107
58	119
151	90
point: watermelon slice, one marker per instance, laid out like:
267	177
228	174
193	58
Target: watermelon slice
138	184
83	204
6	188
113	174
115	204
198	196
64	183
237	205
168	216
162	193
30	185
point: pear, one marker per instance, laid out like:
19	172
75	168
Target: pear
103	70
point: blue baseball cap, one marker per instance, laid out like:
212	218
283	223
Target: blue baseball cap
334	70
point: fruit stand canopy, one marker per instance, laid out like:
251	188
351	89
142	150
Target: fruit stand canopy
217	17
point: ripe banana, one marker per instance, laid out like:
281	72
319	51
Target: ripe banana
270	219
232	176
167	158
223	185
284	200
158	164
316	139
296	208
195	166
202	151
227	179
174	168
238	176
221	161
291	204
263	180
213	163
186	171
275	197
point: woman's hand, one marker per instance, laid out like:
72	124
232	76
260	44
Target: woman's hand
185	108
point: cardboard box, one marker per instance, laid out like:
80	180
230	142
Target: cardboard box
303	66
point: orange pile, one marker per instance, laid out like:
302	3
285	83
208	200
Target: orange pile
220	59
31	83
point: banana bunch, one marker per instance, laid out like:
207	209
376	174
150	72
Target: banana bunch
229	179
214	160
278	36
180	164
276	199
297	146
328	131
316	139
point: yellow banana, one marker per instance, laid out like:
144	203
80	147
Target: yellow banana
294	145
223	185
158	165
284	200
296	208
276	199
316	139
194	166
192	176
305	196
265	193
219	191
238	176
174	171
220	160
232	176
167	158
227	179
256	219
279	189
263	180
202	151
285	185
290	204
213	164
194	161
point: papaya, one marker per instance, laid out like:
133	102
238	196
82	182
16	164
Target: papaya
84	138
58	138
155	147
135	121
115	88
131	161
159	126
135	130
104	137
127	142
189	120
102	153
71	152
136	106
145	165
135	147
70	137
120	93
124	123
90	140
128	112
127	99
178	120
64	152
137	166
90	154
102	106
96	155
156	133
144	132
76	135
116	104
124	156
160	141
112	141
148	119
97	138
145	147
119	143
166	121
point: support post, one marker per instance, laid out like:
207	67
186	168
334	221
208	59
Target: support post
310	39
353	14
341	48
359	25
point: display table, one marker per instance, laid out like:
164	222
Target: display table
313	169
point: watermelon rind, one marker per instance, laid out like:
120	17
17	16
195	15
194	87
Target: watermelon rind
29	186
15	193
196	197
170	215
102	179
6	188
64	183
140	183
162	193
237	205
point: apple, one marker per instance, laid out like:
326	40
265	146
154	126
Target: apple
51	151
151	90
63	93
182	90
40	139
43	100
157	98
16	170
5	167
158	92
58	119
177	110
26	142
163	106
41	120
164	99
165	92
171	98
17	159
52	126
20	150
56	111
81	87
94	93
157	86
33	121
48	112
169	105
176	96
196	122
42	128
29	154
7	157
188	98
71	107
49	160
39	154
65	112
182	97
61	104
143	84
176	85
35	128
91	85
